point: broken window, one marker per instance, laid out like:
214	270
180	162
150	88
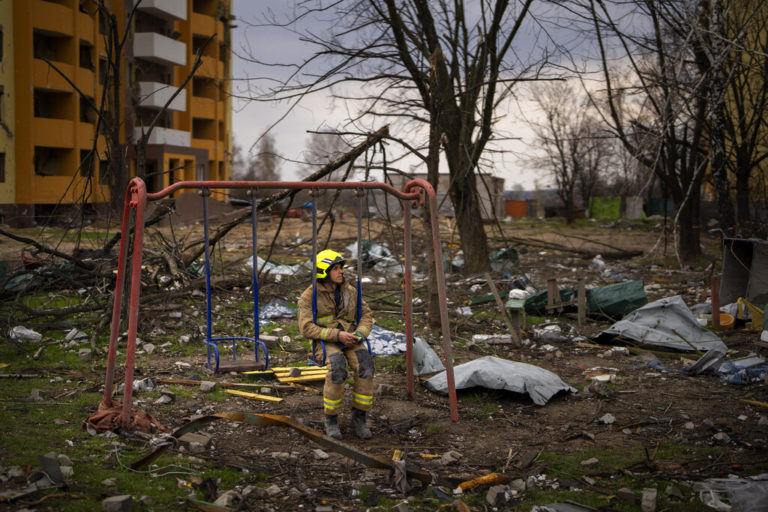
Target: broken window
2	167
51	47
105	172
103	71
49	161
86	163
207	7
203	128
52	104
199	41
86	55
204	88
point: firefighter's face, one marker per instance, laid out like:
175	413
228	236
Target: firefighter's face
337	273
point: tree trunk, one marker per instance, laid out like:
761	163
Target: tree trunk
742	198
689	228
717	123
474	243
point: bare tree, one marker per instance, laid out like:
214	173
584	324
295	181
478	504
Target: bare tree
573	147
744	102
656	101
444	66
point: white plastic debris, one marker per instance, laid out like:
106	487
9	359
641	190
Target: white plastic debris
22	333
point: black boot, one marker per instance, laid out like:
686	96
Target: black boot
358	422
332	427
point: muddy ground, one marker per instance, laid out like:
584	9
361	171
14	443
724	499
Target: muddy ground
497	432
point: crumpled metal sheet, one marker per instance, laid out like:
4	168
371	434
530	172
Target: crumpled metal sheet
496	373
664	323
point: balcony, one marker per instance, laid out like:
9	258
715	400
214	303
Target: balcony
51	17
156	95
53	133
166	9
204	24
159	49
165	136
45	77
208	144
84	27
85	134
203	107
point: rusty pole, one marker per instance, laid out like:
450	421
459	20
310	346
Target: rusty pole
715	301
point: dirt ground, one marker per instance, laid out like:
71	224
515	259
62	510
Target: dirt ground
496	432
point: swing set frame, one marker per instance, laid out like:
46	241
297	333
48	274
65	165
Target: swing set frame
416	192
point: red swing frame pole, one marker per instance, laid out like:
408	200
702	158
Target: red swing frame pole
415	191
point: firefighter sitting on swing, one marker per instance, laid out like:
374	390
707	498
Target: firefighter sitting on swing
344	342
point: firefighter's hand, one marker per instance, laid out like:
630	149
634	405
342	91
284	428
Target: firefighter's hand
348	339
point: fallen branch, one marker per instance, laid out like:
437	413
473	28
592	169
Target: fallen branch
270	200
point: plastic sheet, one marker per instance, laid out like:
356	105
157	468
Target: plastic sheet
276	309
664	323
735	494
496	373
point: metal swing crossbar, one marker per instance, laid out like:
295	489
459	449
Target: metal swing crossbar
415	192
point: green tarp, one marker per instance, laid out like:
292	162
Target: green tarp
613	301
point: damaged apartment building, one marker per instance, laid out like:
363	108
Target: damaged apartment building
48	130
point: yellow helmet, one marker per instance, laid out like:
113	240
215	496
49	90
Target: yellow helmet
325	260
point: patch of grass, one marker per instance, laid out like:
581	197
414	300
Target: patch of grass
50	301
390	322
432	429
387	364
536	320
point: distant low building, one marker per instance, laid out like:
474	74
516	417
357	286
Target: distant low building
490	190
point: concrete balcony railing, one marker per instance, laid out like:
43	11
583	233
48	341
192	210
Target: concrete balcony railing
159	49
52	17
203	107
166	9
44	77
165	136
156	95
53	133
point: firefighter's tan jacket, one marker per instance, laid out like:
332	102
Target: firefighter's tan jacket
329	318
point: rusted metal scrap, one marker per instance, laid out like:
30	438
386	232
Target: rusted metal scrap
276	420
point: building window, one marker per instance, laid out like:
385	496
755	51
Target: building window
86	56
199	41
2	167
53	104
104	172
49	161
103	71
205	7
86	163
53	48
2	103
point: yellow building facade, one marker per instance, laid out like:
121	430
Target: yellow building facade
56	66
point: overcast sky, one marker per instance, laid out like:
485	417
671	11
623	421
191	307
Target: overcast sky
251	118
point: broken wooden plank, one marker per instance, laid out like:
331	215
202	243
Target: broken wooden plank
307	378
255	396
